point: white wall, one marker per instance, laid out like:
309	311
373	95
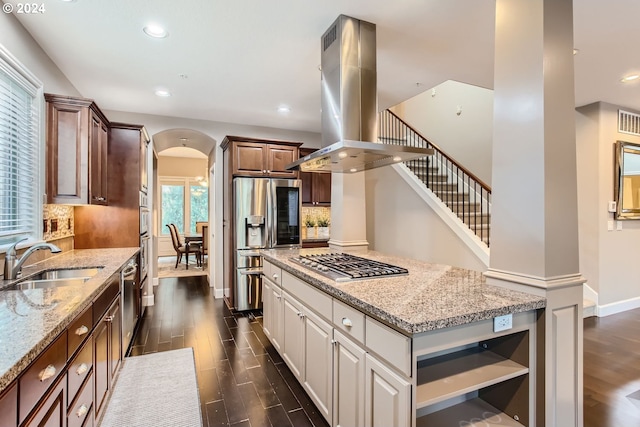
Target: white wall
466	137
19	42
400	223
608	259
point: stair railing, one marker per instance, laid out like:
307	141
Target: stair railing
462	191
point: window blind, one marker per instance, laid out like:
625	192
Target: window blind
19	156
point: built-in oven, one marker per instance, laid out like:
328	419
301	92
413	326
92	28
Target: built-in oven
145	219
144	254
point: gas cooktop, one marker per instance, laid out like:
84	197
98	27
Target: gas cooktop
346	267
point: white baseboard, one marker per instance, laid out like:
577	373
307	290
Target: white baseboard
618	307
156	281
148	300
218	293
589	293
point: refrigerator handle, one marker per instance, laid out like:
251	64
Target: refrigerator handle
271	214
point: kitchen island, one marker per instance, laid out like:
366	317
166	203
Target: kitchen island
60	327
421	349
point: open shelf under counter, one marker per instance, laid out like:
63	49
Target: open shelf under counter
470	413
454	374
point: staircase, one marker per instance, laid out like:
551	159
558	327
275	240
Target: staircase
460	190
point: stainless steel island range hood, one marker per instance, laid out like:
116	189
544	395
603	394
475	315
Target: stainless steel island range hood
349	105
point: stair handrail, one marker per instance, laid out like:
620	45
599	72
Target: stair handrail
430	144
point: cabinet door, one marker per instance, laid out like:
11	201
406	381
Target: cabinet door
67	153
318	362
267	304
144	174
9	407
307	187
277	323
387	396
101	364
322	188
348	382
278	156
53	410
98	161
249	159
293	339
115	339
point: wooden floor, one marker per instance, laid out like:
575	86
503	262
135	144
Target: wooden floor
242	381
612	370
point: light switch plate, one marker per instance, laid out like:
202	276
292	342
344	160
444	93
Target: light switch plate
502	323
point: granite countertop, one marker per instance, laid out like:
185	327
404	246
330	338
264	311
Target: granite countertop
430	297
31	319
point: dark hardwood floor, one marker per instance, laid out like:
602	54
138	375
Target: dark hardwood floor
612	370
242	380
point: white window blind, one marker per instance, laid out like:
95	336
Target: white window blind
20	148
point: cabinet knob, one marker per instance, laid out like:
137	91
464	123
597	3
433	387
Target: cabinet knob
278	296
275	276
82	410
347	322
47	373
81	330
108	319
82	369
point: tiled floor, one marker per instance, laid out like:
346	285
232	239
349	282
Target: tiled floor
242	380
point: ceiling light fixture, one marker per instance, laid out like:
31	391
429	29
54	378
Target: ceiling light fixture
283	109
155	31
163	93
630	78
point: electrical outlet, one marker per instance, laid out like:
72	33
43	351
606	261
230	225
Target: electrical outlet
502	323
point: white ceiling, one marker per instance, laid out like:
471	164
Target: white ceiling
244	58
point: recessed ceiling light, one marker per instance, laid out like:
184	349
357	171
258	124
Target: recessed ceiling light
155	31
397	158
575	51
630	78
353	170
163	93
283	109
343	155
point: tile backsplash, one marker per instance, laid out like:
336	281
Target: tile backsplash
57	221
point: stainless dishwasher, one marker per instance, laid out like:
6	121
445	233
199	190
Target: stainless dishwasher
128	288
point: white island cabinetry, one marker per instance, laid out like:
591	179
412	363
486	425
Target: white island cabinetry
360	371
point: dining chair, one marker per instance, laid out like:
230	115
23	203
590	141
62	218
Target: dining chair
205	242
180	247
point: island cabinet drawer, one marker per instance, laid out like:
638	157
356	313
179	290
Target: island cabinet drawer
317	300
80	409
392	346
9	407
78	331
349	320
103	301
79	369
273	272
41	374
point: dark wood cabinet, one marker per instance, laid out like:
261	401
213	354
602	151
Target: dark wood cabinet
9	407
53	411
107	355
76	151
316	186
261	158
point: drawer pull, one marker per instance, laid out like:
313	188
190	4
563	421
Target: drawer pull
347	322
278	296
82	410
47	373
82	330
108	319
82	369
275	276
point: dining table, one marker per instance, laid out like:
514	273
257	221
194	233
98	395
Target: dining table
193	238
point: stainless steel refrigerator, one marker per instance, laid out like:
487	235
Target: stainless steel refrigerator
266	215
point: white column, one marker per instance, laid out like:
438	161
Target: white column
348	212
534	230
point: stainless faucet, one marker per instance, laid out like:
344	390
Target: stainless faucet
13	265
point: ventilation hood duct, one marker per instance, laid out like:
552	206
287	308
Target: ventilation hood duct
349	105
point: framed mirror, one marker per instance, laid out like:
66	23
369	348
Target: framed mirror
627	180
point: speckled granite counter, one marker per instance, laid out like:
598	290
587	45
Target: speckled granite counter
31	319
432	296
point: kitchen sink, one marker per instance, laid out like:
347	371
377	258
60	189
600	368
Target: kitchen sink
56	278
47	284
66	273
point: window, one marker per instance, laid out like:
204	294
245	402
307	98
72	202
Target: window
21	151
183	202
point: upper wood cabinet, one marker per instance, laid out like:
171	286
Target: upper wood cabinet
316	186
261	158
77	150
